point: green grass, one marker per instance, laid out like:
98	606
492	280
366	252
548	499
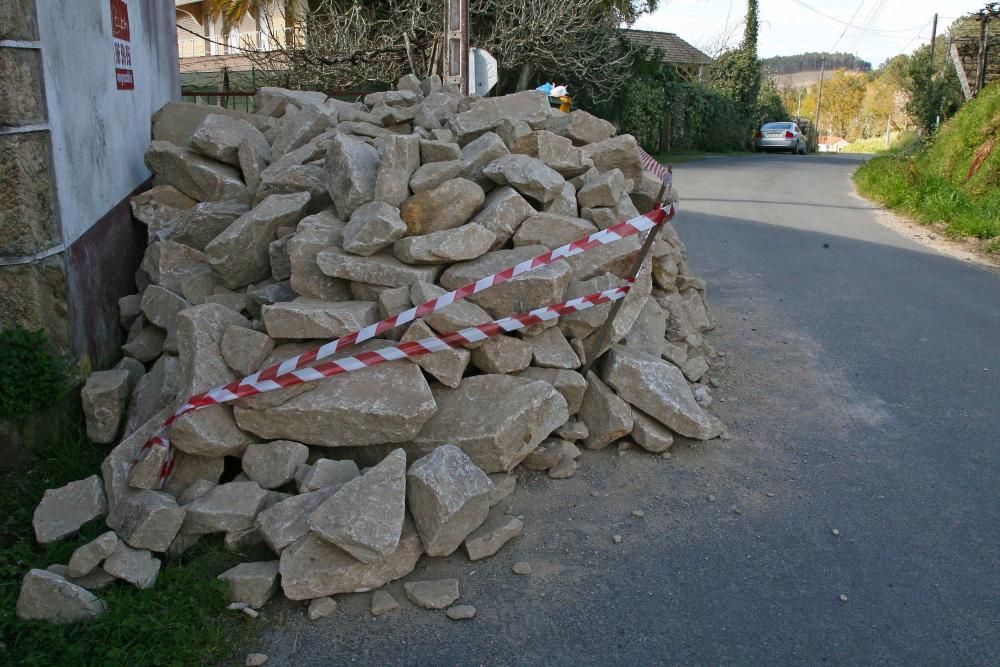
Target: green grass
954	179
181	620
899	142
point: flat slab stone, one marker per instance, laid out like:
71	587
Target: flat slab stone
63	511
365	517
380	269
495	419
383	603
448	497
198	177
432	594
492	535
252	583
312	318
659	389
136	566
450	245
46	596
288	520
608	417
226	508
312	567
90	555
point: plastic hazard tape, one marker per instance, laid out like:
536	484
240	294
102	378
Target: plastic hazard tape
306	367
649	163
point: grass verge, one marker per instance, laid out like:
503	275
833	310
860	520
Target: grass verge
953	179
181	620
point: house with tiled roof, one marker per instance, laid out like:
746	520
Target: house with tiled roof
688	60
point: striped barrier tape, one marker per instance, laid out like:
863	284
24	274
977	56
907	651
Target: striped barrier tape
302	368
649	163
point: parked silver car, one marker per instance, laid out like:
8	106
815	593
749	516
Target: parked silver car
782	137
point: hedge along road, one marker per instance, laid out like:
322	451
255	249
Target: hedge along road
851	516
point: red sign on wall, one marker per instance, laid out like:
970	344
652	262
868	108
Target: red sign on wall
124	75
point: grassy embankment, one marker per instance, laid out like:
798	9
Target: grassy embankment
953	178
181	620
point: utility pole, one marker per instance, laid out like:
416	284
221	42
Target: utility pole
888	132
933	40
456	43
819	97
798	110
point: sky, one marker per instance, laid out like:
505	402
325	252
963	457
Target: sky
788	27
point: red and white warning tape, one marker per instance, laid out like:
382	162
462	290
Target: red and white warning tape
649	163
304	367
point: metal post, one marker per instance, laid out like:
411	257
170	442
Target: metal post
888	131
601	341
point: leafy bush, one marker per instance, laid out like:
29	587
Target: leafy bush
32	375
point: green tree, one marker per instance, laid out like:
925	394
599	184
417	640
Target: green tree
843	95
934	89
737	74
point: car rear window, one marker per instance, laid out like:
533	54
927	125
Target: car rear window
777	126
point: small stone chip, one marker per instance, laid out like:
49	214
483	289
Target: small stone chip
711	498
617	539
255	660
383	603
836	532
522	567
667	455
321	608
461	612
638	513
843	598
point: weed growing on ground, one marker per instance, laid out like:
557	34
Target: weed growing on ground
181	620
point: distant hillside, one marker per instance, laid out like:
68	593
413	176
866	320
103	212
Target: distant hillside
810	62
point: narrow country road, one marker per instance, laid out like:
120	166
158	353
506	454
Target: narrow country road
853	517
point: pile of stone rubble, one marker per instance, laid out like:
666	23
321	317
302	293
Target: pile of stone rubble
272	232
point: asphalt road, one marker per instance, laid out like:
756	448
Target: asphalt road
861	387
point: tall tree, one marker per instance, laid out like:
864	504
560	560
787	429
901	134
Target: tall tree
737	73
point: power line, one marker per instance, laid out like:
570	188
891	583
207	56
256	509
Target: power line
847	27
842	22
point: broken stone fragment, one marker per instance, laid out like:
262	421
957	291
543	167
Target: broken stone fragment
450	245
581	127
566	467
380	404
298	128
239	255
552	231
621	152
496	419
136	566
502	213
448	497
529	176
447	206
365	516
659	389
573	430
198	177
435	174
90	555
650	327
169	264
211	432
569	384
63	511
399	157
607	416
604	190
244	350
328	472
96	580
436	594
46	596
650	434
288	520
252	583
352	170
159	207
458	315
146	519
383	603
105	396
219	137
312	318
373	226
555	151
541	287
461	612
439	151
503	486
446	366
379	269
312	567
550	349
321	608
476	155
314	234
273	464
492	535
226	508
502	354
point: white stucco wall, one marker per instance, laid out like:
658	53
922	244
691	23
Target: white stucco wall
99	133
